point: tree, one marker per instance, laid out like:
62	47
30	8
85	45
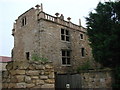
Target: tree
103	26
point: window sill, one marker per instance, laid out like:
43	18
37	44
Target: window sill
82	39
65	41
66	65
83	57
23	26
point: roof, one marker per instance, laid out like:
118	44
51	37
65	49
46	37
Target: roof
5	59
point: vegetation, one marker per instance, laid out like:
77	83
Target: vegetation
35	57
103	26
85	66
117	77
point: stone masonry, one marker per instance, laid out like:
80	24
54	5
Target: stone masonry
32	74
97	79
36	32
36	74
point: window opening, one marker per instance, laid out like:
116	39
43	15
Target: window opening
65	57
83	52
81	36
24	21
27	55
65	35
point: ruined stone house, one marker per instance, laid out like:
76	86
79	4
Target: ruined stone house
64	44
60	41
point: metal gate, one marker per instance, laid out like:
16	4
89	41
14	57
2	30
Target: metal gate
70	81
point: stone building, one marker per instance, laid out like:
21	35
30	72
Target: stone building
51	37
40	36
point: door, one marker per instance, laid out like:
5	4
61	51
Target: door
67	81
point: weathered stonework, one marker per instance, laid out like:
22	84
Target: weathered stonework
41	35
36	32
45	77
28	77
97	79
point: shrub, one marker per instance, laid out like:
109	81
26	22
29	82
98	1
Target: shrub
35	57
85	66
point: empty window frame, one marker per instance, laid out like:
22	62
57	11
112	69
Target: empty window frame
81	36
66	57
27	55
65	35
23	21
83	52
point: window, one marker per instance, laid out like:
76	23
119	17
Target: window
65	57
23	21
27	55
65	35
81	36
83	52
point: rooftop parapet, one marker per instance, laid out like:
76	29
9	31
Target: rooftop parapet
60	20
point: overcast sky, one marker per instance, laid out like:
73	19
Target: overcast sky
11	9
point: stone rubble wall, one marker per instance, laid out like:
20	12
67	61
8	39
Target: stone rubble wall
34	74
30	74
97	79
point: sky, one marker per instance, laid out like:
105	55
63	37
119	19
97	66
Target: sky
11	9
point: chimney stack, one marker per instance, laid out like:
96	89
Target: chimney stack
79	22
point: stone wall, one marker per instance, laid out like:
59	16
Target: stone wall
28	75
43	37
3	66
97	79
34	74
51	46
